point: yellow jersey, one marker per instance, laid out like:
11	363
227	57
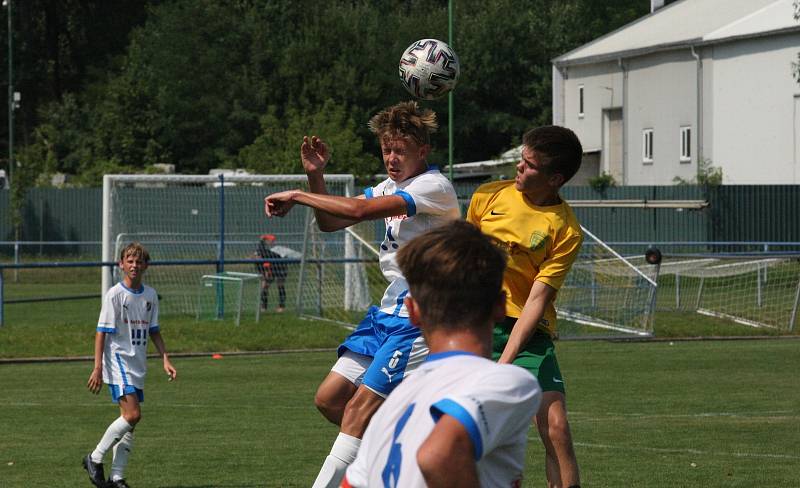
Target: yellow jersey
541	242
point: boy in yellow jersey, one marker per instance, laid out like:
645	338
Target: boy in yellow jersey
537	229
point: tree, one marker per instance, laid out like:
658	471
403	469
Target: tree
203	84
277	149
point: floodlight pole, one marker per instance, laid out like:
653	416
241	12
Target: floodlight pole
10	96
450	94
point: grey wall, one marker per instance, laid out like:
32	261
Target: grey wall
753	110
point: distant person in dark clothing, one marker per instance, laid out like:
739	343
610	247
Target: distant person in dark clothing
271	272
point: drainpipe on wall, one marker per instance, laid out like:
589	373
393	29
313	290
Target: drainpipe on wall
559	75
624	70
699	106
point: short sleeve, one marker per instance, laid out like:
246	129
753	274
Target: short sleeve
371	191
429	195
475	210
154	327
494	409
108	315
553	271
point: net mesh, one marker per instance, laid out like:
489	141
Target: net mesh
180	218
760	292
606	294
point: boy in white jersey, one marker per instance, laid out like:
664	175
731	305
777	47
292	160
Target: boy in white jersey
128	318
385	346
461	419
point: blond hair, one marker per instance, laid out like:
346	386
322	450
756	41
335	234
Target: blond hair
404	120
135	249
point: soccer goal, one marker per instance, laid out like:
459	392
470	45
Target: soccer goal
223	295
606	294
758	291
203	225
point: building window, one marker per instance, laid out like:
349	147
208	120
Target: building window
686	144
580	101
647	146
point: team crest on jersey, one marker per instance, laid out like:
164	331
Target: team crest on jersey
538	239
149	306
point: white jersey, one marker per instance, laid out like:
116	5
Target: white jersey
128	317
494	402
431	201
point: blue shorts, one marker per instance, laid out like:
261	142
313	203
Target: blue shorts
395	345
117	392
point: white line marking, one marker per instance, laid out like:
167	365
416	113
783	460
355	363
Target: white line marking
696	452
774	414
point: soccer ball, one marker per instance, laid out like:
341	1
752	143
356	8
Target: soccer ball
429	68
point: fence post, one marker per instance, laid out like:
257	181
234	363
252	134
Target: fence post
221	250
1	297
792	319
16	261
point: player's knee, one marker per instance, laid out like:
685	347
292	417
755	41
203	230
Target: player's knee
558	431
329	407
133	417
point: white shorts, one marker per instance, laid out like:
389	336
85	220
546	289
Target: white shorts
352	366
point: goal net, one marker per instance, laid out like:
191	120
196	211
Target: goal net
196	226
759	291
606	294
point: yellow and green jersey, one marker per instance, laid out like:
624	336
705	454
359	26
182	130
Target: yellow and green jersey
541	242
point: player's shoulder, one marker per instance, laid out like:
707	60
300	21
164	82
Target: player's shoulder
569	225
509	377
433	178
115	291
149	292
492	191
493	188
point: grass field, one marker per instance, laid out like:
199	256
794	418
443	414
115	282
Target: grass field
687	413
651	414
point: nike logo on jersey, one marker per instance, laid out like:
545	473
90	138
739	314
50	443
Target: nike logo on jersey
497	213
556	380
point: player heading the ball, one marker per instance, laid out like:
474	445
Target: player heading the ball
385	346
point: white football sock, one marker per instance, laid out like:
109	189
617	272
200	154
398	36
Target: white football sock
114	433
343	453
122	450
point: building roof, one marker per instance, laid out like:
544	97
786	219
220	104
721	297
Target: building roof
688	23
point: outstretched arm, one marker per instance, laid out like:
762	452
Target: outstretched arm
446	458
159	343
340	212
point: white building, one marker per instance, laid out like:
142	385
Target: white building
695	80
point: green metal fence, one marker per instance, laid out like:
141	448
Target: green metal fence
735	213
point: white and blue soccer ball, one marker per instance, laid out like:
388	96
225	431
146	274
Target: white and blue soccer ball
429	68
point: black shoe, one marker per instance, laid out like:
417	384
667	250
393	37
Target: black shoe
95	471
117	484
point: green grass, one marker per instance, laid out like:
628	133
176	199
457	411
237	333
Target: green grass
709	413
66	329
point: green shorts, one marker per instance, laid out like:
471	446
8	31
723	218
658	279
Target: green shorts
538	356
